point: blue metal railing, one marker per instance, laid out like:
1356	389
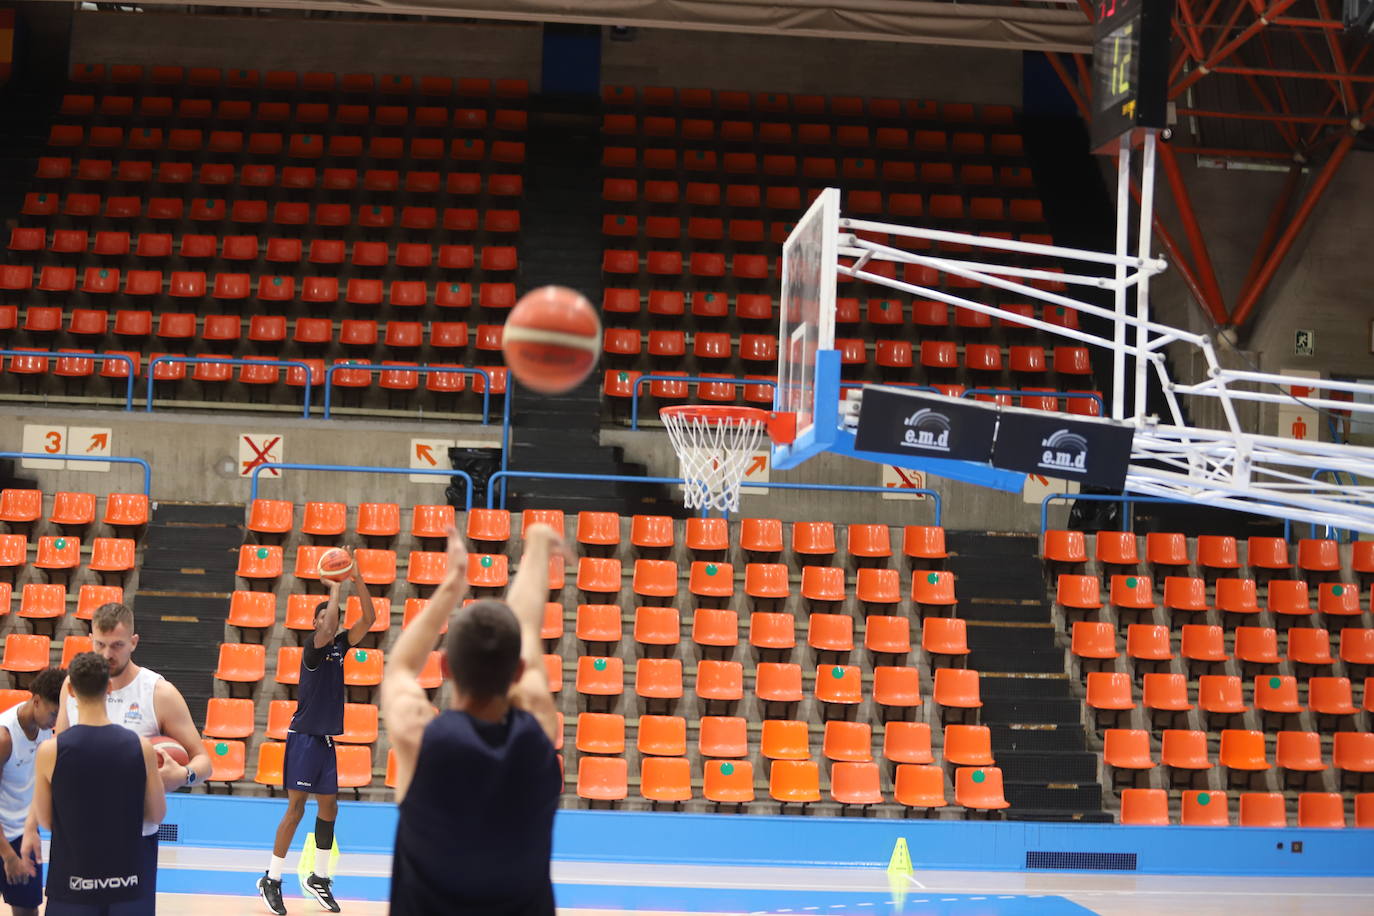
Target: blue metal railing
434	472
227	361
1032	393
736	382
1328	531
103	357
147	468
1126	517
625	478
420	370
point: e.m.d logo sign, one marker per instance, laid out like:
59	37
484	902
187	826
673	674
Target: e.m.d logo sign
1094	452
912	423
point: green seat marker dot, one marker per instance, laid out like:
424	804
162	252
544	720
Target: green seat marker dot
453	287
726	769
104	274
1204	799
599	664
360	655
1131	582
262	553
60	543
712	569
1338	590
221	748
1274	683
486	562
932	578
837	672
979	776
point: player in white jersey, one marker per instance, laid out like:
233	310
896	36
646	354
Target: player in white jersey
22	729
140	699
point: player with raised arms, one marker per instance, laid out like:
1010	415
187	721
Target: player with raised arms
311	767
478	783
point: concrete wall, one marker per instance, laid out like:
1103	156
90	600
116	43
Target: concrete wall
1322	286
433	48
194	458
715	60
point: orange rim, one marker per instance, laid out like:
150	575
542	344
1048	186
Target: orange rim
781	427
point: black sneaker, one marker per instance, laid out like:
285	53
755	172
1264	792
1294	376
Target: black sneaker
270	891
322	890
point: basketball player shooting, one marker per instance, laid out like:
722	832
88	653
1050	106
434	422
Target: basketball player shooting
477	784
311	767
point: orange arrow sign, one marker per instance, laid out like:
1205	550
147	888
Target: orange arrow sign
423	452
759	464
98	441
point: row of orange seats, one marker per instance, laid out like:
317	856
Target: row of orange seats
791	782
233	718
250	610
806	105
74	508
780	682
1206	808
1220	552
290	145
274	250
275	288
60	552
322	113
26	653
291	80
227	761
39	601
263	371
1130	750
1286	597
815	168
252	212
1150	642
1221	694
246	663
655	129
292	177
224	331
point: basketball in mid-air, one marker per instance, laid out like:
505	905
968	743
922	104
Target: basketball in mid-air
335	564
170	747
551	339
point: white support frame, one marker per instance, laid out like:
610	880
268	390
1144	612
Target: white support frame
1228	468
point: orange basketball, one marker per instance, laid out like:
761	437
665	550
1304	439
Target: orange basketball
551	339
335	564
170	747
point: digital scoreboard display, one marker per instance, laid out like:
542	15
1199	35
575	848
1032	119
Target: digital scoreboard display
1130	68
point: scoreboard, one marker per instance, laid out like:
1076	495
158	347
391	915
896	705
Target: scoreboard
1130	68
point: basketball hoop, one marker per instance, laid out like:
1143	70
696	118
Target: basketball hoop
715	446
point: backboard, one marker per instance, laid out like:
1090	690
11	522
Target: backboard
808	366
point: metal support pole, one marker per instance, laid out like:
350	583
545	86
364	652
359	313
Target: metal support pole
1123	231
1142	287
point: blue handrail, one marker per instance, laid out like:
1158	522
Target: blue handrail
225	360
625	478
433	472
128	361
1025	392
1100	498
1327	530
147	468
420	370
639	383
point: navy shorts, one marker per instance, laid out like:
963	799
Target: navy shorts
145	905
28	895
310	764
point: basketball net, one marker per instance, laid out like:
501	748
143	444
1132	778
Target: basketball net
714	452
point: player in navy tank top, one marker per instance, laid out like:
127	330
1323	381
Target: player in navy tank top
95	786
310	766
478	784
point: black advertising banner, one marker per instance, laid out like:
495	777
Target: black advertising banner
1094	452
926	425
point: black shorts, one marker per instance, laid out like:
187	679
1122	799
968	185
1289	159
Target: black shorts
310	764
28	895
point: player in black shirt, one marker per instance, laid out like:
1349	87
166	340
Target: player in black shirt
310	766
477	784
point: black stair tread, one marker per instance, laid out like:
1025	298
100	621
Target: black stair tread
204	514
